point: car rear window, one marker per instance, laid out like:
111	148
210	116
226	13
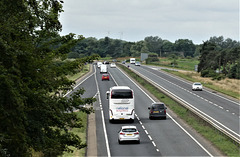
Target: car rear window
129	130
158	106
121	94
199	84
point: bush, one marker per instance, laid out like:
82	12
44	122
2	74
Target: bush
208	73
235	72
213	74
73	55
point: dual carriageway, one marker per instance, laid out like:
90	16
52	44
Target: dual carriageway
158	137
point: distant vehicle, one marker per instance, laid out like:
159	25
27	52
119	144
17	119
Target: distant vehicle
137	64
132	60
197	86
113	65
123	62
121	103
106	62
105	77
99	64
157	110
128	133
103	68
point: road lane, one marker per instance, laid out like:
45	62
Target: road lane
129	149
224	110
168	137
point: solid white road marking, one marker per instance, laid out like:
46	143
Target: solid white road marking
171	118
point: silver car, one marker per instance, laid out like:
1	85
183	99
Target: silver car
137	64
128	133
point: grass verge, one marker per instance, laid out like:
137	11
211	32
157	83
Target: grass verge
78	75
81	132
222	142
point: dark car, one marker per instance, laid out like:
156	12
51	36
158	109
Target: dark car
105	77
157	110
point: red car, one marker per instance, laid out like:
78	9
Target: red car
105	77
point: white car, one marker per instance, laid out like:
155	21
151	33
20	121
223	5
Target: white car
197	86
137	64
113	65
99	64
128	133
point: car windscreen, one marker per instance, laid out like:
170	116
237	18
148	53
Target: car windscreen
158	106
129	130
122	94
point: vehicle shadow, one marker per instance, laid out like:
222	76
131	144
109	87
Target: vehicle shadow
143	120
123	122
129	142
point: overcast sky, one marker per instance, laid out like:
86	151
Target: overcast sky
133	20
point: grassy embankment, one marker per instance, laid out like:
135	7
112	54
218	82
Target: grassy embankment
81	132
222	142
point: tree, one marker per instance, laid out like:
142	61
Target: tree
167	46
186	46
153	44
137	48
207	48
33	114
219	55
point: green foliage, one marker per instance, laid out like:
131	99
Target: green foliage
33	114
186	46
219	55
153	44
73	55
235	71
173	56
152	57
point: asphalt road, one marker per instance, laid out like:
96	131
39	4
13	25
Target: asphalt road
158	137
222	109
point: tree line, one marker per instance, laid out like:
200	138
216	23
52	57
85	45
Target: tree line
218	57
119	48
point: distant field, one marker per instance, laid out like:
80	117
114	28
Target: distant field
184	64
